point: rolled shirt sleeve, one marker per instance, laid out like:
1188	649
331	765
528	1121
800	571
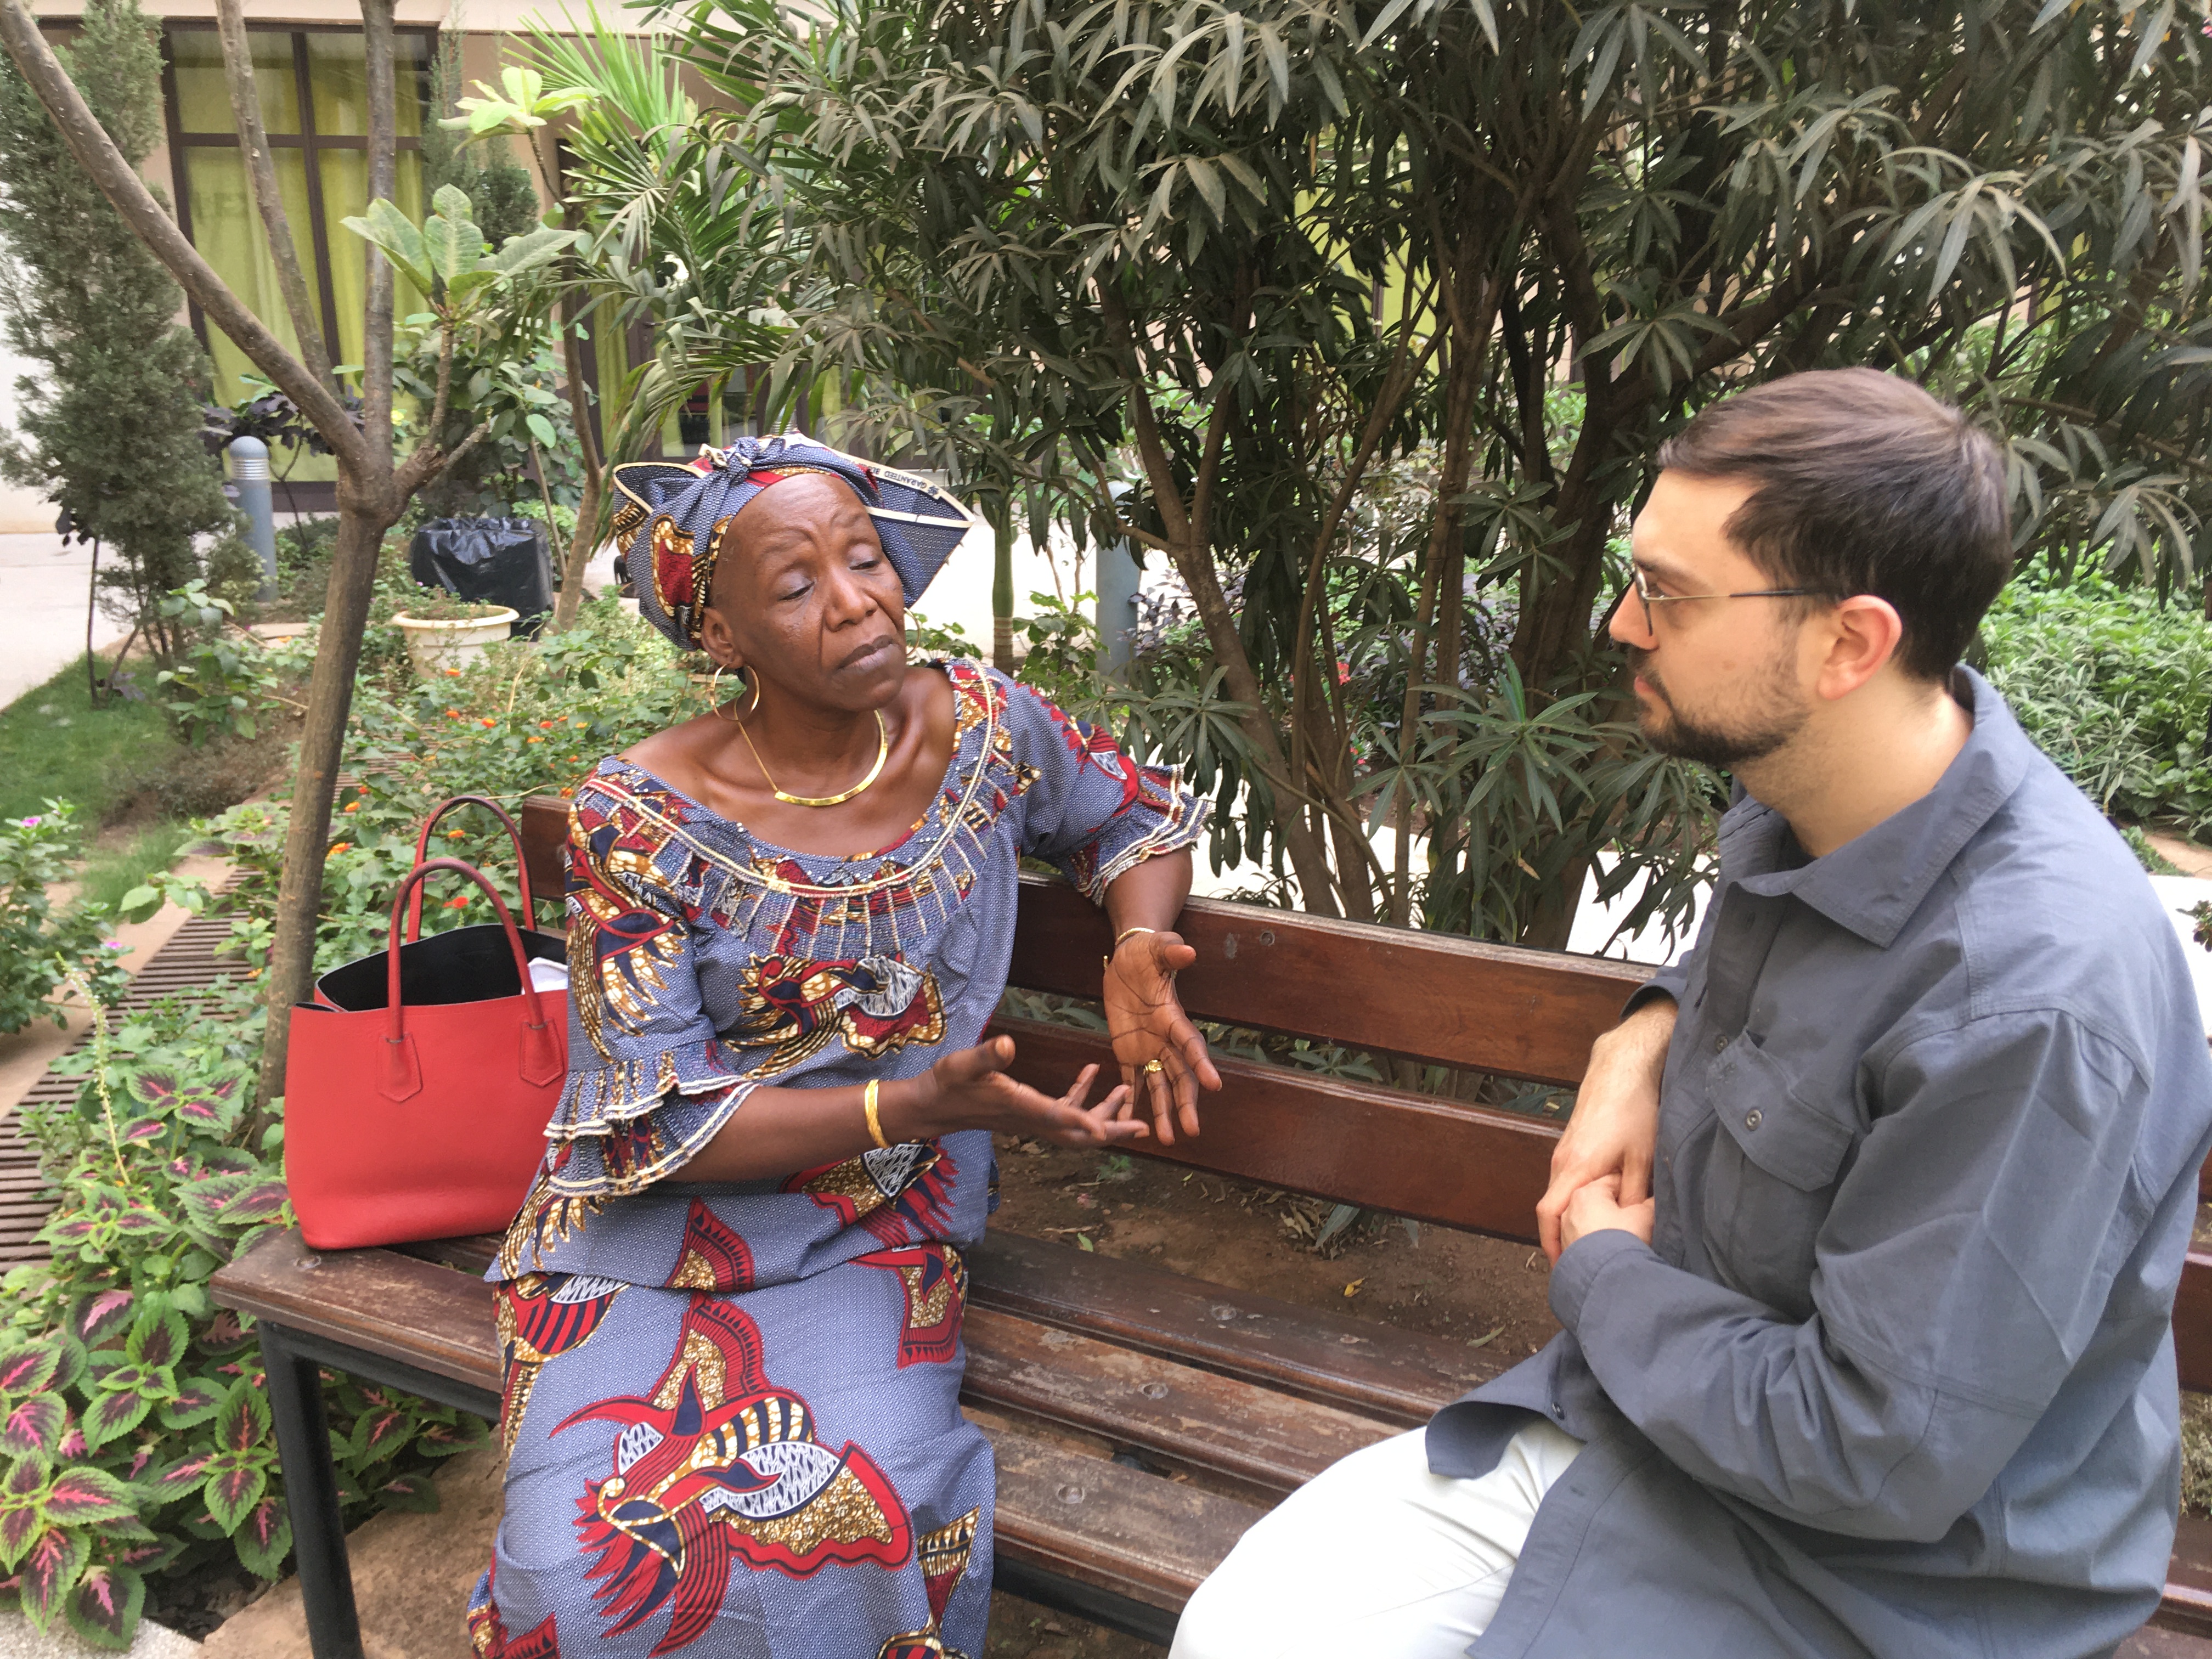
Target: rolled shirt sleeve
1090	811
1959	1275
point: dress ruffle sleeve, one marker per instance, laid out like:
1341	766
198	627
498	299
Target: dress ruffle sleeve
649	1082
1092	811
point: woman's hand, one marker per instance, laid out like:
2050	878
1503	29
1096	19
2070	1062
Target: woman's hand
970	1090
1149	1026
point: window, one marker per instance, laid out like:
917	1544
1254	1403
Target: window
313	88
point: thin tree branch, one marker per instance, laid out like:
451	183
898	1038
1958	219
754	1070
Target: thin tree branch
261	168
118	181
428	464
383	149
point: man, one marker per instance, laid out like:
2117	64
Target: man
1867	1225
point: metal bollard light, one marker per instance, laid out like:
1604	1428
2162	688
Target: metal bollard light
1117	579
249	459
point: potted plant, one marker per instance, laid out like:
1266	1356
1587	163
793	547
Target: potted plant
444	631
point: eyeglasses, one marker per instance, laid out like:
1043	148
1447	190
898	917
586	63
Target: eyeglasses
1643	585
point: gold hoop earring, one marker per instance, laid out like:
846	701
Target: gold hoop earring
715	695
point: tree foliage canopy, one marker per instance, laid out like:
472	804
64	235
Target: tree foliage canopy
110	429
1249	259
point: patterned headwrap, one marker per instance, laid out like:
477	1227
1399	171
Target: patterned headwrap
673	515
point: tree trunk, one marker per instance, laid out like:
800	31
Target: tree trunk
268	198
1002	589
291	970
1308	860
582	545
1462	372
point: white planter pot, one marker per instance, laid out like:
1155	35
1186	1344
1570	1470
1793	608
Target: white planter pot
437	646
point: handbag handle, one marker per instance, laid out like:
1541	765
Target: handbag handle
538	1062
513	835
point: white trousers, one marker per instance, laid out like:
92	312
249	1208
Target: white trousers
1377	1557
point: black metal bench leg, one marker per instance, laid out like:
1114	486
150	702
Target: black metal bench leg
311	1494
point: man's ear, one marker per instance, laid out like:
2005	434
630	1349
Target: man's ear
1863	635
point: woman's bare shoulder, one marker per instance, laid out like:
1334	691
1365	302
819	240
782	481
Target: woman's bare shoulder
672	753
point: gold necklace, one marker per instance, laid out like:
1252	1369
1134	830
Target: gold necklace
883	754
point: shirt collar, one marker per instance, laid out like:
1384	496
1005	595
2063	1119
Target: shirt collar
1873	885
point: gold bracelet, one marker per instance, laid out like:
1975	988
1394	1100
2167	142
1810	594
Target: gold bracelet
1106	962
868	1105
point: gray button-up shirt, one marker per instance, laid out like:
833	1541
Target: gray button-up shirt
1895	1375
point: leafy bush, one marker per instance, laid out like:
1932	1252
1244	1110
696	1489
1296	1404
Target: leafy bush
134	1409
222	678
522	719
41	945
2115	688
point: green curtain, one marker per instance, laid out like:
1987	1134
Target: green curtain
203	102
226	229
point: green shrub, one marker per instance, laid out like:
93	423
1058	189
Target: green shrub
134	1409
41	944
522	719
2114	687
223	679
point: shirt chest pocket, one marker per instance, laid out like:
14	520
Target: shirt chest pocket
1772	1176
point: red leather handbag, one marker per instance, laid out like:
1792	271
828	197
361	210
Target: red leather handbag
422	1113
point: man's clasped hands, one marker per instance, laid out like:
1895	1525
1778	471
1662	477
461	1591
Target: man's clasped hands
1602	1168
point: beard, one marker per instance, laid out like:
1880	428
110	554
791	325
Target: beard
1727	744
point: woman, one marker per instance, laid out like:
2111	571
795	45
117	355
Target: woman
731	1307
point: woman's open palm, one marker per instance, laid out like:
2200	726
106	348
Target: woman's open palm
1147	1022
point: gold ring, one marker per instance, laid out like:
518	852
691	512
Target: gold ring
1153	1066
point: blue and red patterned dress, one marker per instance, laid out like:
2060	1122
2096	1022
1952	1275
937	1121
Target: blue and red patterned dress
730	1412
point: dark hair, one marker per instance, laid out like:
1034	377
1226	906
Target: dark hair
1866	485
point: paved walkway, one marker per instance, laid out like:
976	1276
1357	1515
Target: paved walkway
42	601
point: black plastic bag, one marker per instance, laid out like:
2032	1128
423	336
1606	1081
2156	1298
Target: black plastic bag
492	560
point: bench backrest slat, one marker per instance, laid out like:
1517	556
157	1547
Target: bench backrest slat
1450	1001
1354	1143
1430	996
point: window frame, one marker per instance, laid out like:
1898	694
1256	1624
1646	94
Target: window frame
306	140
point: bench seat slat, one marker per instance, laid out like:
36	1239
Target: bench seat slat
1274	1441
1134	1533
429	1315
1400	1377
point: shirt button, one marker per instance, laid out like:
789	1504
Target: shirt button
1720	1044
1752	1119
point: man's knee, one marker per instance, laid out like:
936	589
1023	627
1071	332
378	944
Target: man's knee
1217	1624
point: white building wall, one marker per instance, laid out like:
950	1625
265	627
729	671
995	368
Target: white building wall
21	510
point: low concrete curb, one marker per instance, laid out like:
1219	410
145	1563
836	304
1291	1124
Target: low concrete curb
18	1640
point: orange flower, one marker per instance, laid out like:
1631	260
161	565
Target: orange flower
488	720
457	903
452	714
352	807
535	739
452	673
545	726
455	834
339	847
568	793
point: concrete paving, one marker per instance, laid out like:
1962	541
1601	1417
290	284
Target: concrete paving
18	1640
43	587
412	1575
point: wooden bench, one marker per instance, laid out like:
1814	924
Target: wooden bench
1142	1418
